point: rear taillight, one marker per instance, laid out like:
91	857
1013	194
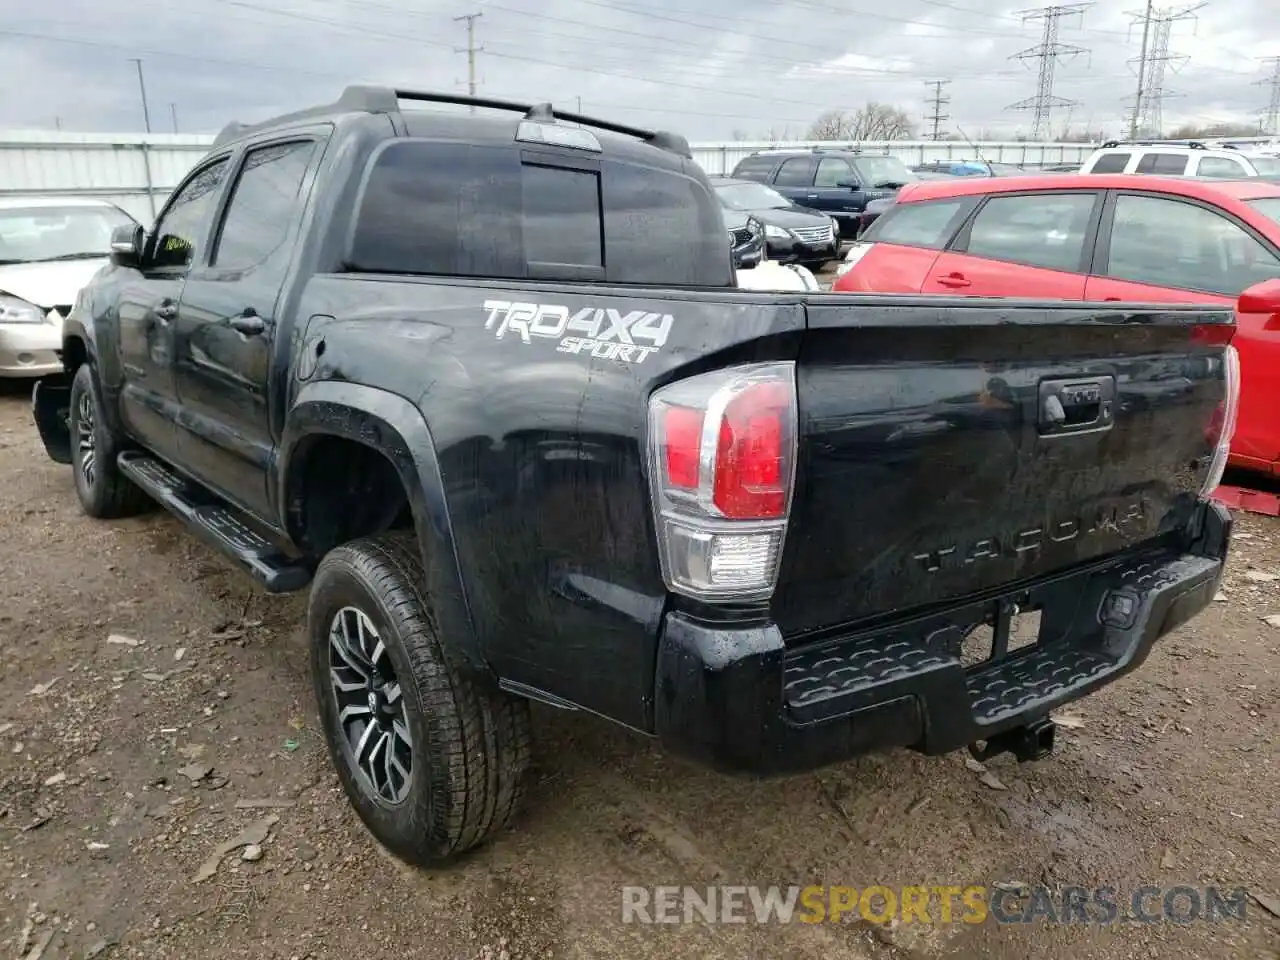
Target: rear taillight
1223	426
722	451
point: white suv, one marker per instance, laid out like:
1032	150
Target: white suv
1184	159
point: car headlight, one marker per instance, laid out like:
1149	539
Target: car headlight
14	310
776	233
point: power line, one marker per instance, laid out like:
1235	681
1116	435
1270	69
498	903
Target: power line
470	50
938	100
1152	63
1271	117
1048	52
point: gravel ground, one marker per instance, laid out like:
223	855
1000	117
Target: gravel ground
153	705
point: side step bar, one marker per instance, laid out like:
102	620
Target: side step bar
216	523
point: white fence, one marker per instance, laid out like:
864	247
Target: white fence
137	171
721	158
134	171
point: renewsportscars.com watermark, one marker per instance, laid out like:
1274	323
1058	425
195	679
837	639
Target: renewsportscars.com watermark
1006	904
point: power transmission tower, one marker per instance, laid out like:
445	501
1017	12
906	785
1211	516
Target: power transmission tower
1152	63
1049	51
470	50
938	101
1271	116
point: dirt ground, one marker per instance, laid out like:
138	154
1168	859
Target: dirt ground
1169	777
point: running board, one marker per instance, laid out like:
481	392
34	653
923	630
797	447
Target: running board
218	524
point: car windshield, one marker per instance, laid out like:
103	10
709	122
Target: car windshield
43	233
1267	206
1267	166
885	171
751	196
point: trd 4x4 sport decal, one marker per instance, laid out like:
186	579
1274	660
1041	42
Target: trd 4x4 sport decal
606	333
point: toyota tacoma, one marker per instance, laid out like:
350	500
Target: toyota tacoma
484	383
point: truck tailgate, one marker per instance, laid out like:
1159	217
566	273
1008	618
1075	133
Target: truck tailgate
951	447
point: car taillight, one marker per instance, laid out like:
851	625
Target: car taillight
1223	426
722	451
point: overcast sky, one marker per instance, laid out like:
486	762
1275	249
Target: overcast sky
707	68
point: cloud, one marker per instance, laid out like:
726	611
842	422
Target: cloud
706	69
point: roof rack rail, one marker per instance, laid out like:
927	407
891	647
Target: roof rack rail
359	98
1189	144
544	111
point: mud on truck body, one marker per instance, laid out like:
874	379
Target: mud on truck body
485	385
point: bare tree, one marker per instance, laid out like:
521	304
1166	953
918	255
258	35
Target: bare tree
882	121
875	121
1191	131
832	125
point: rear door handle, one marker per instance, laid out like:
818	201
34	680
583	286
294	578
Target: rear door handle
248	323
811	196
954	280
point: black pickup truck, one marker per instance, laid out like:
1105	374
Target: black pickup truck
485	383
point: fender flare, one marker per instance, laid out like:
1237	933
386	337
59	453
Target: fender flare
393	426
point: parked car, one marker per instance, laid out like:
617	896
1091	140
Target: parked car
872	212
792	234
486	385
1098	238
49	248
746	239
838	182
971	168
1190	159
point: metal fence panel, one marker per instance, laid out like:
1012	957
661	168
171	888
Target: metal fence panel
138	171
718	158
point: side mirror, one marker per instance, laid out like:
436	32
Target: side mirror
126	245
1263	298
849	184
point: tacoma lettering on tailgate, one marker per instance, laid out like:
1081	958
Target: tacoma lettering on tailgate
1108	519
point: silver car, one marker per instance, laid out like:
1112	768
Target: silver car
49	248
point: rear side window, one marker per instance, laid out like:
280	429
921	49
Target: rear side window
927	224
754	168
1222	167
796	172
1110	163
1041	230
497	211
264	203
832	171
1170	164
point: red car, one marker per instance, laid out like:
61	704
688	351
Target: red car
1099	237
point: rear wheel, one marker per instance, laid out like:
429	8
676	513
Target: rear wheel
104	491
432	763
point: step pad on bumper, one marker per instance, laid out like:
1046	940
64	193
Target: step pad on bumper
217	523
1095	625
1042	675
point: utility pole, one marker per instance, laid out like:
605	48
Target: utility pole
142	88
173	113
1154	59
470	50
1271	116
1142	73
1049	51
938	101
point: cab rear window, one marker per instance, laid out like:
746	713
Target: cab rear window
927	224
467	210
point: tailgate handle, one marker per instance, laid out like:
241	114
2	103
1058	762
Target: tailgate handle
1077	405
